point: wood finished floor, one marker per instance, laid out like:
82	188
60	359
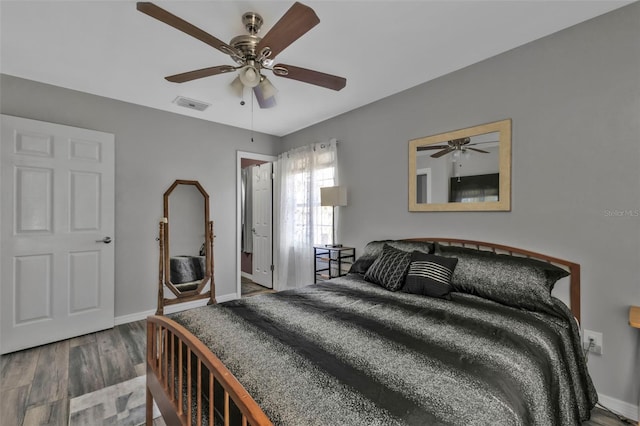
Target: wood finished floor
37	384
249	288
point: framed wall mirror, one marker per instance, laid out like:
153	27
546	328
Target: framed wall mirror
186	244
463	170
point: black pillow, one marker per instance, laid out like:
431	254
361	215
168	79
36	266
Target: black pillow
369	255
430	275
389	269
373	249
511	280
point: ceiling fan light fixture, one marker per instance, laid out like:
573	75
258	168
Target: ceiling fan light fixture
249	76
267	89
237	87
265	93
263	101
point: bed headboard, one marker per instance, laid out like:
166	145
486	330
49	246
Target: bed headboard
573	268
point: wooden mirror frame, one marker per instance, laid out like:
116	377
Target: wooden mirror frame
165	255
504	158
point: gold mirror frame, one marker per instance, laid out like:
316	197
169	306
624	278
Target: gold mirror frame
165	255
504	157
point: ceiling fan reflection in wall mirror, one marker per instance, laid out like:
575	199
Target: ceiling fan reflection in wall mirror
253	54
457	147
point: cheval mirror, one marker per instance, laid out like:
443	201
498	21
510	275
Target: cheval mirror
186	245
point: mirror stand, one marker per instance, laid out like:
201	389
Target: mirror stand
163	273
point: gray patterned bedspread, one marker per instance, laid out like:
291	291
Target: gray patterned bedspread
184	269
347	352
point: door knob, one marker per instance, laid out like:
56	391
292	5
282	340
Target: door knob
105	240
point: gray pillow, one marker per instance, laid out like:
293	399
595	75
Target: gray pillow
390	268
510	280
373	249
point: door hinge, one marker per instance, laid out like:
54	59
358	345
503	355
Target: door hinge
272	268
273	176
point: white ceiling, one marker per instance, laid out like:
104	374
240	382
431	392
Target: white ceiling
110	49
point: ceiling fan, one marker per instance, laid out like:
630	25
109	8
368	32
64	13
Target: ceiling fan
455	145
251	53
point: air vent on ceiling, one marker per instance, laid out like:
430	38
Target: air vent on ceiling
191	103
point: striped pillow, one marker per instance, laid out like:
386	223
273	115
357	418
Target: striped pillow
430	275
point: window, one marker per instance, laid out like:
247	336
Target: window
302	221
306	181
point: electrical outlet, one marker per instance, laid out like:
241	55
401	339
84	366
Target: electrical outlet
595	346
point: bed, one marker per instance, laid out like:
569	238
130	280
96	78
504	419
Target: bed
387	344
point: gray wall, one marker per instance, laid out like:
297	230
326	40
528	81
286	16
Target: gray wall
153	148
574	98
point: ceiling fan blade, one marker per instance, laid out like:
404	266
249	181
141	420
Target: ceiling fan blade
309	76
178	23
204	72
443	152
294	24
478	150
427	147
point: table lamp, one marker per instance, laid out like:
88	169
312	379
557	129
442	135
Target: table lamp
333	196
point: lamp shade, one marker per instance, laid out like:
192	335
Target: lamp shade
267	89
265	94
333	196
249	76
237	87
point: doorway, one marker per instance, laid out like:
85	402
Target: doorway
254	223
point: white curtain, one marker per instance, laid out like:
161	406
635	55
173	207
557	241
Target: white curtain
303	223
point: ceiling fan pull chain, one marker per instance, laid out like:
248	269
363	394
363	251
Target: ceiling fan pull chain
251	117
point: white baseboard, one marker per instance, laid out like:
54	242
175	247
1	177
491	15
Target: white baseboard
246	275
226	297
171	309
626	409
125	319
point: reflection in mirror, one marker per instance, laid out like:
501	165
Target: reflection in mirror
468	173
186	236
186	245
468	169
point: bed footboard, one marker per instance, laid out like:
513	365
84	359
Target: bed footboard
183	376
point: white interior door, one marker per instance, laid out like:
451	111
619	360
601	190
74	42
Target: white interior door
262	177
57	220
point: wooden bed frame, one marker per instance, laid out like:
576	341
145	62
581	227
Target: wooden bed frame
170	345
